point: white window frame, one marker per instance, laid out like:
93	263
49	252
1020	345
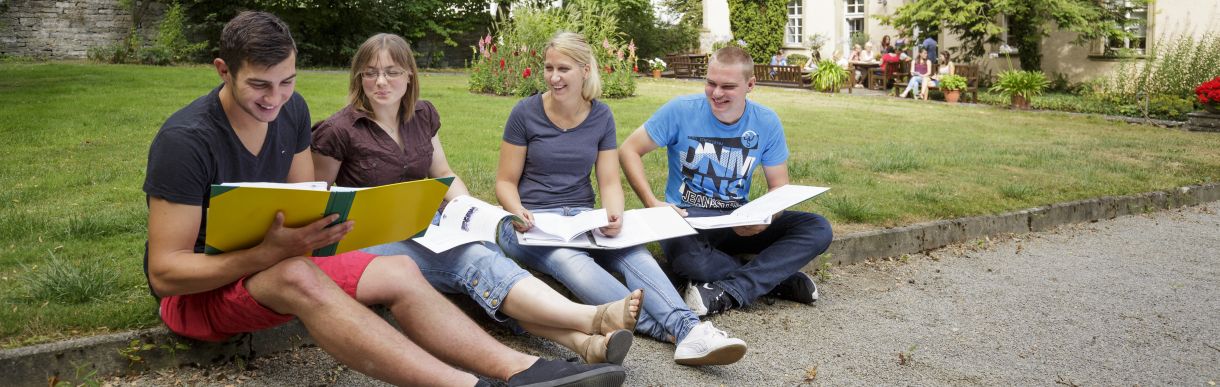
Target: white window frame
853	13
1136	21
794	32
1006	46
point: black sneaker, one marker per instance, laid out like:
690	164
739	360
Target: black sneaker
706	298
798	287
554	373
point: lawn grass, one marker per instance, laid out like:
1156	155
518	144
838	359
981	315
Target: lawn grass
75	140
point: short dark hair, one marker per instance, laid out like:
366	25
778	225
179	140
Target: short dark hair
259	38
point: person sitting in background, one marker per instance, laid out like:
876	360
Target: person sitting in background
885	44
839	59
868	55
890	63
945	68
919	71
779	59
855	55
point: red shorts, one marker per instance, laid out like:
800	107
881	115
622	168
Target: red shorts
220	313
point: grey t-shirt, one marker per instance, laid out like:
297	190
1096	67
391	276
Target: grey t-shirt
557	162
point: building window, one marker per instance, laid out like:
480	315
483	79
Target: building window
793	35
855	15
1007	41
1135	22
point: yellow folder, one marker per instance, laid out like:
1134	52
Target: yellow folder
239	215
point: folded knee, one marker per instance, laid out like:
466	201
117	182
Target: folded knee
293	283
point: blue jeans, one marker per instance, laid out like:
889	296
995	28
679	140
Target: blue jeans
479	270
587	274
913	84
787	245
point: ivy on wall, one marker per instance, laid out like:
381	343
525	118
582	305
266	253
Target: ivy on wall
760	23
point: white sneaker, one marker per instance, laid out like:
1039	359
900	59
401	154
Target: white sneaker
706	345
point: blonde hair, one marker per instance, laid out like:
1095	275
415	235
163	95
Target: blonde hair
400	53
574	46
733	55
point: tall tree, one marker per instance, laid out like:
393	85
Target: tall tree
980	22
328	32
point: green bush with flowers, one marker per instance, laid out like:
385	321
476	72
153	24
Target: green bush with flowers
510	63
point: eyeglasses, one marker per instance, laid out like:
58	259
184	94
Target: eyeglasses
372	75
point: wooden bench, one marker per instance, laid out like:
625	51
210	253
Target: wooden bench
971	73
968	71
687	65
786	76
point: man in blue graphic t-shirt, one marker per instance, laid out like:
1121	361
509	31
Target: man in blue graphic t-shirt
714	142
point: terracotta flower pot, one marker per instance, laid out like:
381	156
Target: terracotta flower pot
952	96
1020	102
656	74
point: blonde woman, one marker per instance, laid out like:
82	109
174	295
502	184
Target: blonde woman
387	135
551	143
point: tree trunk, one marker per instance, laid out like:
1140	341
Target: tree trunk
1029	41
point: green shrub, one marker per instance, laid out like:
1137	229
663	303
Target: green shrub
859	38
1173	67
760	24
171	45
797	60
952	82
511	63
1026	84
829	77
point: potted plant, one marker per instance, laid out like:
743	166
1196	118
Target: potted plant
952	84
657	65
829	77
1209	95
1020	86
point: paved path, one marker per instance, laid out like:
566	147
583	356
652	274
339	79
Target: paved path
1130	301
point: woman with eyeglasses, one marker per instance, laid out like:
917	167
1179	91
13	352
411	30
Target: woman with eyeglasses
387	135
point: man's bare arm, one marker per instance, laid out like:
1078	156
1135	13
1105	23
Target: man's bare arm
631	157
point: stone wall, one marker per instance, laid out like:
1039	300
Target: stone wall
67	29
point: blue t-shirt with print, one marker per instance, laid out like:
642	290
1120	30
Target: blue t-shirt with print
711	163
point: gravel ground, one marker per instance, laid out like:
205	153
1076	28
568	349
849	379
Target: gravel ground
1129	301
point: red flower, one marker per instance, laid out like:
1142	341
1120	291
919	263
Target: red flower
635	68
533	53
493	48
501	64
1209	92
526	73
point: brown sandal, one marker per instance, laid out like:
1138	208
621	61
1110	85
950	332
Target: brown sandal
611	348
603	323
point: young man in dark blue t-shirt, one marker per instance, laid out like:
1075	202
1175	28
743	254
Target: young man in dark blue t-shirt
714	143
254	127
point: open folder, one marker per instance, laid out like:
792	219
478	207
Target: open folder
759	210
467	219
239	214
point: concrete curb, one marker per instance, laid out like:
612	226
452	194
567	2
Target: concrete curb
857	247
75	359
